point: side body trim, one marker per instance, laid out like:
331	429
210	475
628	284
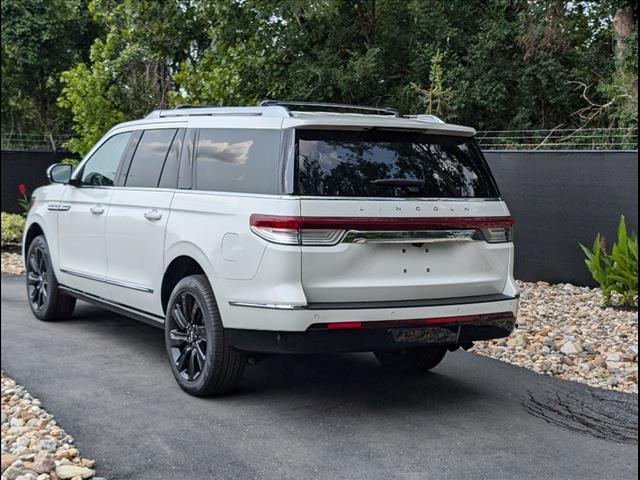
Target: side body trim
109	281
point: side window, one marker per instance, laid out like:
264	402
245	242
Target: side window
101	168
149	158
169	175
238	160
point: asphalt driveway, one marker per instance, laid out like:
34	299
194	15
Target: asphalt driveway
106	380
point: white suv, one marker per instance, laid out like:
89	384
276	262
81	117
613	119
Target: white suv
284	228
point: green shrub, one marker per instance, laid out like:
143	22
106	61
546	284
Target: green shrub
12	226
616	272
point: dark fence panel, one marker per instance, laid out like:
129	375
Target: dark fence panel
561	198
557	199
24	167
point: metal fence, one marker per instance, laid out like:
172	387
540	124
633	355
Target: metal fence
554	139
560	139
27	142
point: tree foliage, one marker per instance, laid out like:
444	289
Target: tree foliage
40	39
503	64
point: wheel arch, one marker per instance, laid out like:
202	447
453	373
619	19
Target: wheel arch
34	230
182	260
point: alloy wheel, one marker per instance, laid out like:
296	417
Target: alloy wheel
37	282
188	336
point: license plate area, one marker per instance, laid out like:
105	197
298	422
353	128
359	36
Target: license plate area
425	335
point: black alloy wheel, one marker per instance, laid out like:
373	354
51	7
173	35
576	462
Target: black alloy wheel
202	361
37	281
188	336
45	298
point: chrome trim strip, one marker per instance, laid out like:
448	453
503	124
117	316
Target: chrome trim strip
400	199
429	236
117	283
132	286
434	302
88	276
275	306
57	207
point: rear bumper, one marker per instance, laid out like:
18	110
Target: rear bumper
281	318
371	338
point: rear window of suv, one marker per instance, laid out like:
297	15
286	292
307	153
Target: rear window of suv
383	163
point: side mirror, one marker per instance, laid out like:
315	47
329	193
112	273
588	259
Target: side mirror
59	173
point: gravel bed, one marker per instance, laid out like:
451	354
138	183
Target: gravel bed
564	331
12	263
34	447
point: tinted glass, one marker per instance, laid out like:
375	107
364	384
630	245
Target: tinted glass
391	164
101	168
149	158
238	160
169	175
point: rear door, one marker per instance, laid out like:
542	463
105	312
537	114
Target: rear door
392	216
138	217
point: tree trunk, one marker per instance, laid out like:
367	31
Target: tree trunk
623	25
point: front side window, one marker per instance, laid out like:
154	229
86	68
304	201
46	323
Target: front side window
149	158
385	163
100	169
242	160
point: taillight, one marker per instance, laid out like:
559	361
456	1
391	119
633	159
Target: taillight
326	231
293	231
275	229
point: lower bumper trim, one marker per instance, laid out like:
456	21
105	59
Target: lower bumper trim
369	339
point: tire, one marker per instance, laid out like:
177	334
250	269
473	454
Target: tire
419	359
46	300
202	362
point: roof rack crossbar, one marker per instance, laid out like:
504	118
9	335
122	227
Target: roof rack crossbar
330	106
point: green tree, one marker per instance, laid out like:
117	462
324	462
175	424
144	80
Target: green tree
40	39
504	64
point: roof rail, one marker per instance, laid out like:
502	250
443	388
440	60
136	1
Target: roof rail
198	110
425	118
340	107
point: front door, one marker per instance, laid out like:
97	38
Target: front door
81	225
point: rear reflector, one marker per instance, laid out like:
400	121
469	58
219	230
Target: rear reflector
324	231
421	322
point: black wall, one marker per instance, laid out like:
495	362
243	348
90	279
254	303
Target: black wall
559	199
24	167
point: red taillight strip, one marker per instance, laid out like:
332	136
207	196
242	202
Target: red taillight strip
380	224
421	322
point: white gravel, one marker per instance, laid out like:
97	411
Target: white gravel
563	331
34	447
12	263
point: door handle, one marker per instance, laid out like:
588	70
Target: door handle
153	215
97	209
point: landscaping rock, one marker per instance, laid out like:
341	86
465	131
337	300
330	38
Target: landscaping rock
31	439
43	462
12	263
564	331
71	471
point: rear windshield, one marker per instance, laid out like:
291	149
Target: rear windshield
382	163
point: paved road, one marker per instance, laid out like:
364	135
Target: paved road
106	379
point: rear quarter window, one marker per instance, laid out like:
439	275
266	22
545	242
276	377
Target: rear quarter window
239	160
383	163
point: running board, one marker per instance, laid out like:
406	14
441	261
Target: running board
120	309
